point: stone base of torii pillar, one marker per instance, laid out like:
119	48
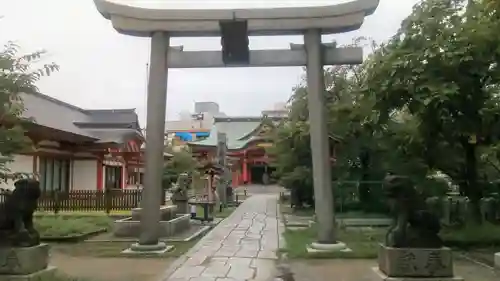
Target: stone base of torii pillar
315	248
156	249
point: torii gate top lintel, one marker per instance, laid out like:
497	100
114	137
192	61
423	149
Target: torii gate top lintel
138	21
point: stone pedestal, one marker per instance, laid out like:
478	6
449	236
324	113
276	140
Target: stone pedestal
415	264
315	248
379	275
166	213
30	263
155	249
182	206
497	261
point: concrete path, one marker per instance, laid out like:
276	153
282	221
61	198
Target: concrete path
241	247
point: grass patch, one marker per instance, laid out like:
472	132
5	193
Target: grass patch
472	236
359	215
114	249
286	209
484	255
67	226
480	241
309	212
226	212
364	244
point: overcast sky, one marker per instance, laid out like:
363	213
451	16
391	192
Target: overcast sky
103	69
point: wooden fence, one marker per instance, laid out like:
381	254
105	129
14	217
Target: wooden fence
87	200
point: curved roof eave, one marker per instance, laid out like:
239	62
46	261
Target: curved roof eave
194	143
139	21
254	131
235	147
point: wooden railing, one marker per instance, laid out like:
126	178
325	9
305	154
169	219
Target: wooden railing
87	200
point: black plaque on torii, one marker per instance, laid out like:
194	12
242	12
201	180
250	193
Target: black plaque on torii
234	41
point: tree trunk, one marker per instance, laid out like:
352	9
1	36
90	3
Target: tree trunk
364	186
473	189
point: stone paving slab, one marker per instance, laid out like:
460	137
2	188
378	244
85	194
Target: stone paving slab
241	247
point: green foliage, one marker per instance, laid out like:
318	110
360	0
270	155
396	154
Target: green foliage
360	143
182	161
364	244
443	69
17	75
66	226
426	101
472	236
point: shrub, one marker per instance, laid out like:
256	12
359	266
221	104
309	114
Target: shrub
472	235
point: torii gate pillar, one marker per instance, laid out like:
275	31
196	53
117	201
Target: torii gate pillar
322	179
155	135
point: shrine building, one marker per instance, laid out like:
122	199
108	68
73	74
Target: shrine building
80	149
247	140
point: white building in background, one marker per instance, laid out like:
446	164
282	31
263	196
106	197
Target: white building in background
206	107
192	126
279	110
196	125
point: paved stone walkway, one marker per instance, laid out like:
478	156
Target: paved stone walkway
241	247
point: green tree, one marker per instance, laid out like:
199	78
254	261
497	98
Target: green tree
442	68
351	132
365	147
18	74
182	161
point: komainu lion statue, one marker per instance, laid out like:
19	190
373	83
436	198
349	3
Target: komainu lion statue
413	226
179	189
16	214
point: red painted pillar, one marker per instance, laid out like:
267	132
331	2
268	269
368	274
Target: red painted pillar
99	173
245	169
249	175
236	180
240	178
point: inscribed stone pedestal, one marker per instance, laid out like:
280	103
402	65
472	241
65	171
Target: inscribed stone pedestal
380	276
27	263
24	260
413	262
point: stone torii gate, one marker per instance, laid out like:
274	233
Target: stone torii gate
234	27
